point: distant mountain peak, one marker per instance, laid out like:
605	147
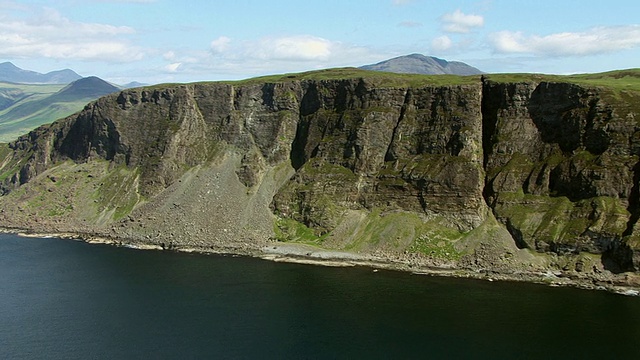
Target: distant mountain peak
8	66
134	84
422	64
90	86
11	73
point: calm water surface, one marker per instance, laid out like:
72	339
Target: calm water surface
62	299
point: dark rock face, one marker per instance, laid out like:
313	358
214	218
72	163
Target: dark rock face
555	163
561	166
391	149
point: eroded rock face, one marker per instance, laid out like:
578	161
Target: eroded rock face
561	166
555	163
416	150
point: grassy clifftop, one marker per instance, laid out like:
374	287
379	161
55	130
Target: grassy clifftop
617	80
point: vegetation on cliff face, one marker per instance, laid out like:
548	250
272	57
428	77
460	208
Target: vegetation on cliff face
483	171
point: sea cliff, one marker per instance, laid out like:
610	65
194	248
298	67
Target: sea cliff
494	173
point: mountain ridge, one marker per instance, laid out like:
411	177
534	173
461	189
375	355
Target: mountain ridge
13	74
88	87
421	64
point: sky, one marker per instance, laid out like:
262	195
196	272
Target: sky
157	41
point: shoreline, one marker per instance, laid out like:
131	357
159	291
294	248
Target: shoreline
299	253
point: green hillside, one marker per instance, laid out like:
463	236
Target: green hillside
25	107
11	94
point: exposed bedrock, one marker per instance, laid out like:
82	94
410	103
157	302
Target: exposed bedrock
333	161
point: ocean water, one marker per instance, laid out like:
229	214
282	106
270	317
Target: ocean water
63	299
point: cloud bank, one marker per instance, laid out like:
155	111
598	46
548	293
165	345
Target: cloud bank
598	40
50	35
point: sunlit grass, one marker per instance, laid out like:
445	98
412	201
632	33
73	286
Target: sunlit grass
617	80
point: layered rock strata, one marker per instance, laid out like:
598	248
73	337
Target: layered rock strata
482	174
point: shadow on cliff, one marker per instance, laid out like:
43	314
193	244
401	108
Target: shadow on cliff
567	115
309	104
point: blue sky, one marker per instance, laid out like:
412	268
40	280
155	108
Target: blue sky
155	41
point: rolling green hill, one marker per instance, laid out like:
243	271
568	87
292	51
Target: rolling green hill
25	107
11	93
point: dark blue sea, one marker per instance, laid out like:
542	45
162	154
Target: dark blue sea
64	299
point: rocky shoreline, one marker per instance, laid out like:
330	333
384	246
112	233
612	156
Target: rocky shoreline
623	284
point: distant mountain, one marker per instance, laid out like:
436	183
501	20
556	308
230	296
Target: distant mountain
133	84
420	64
13	74
88	87
25	107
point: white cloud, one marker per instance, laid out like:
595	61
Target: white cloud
509	42
458	22
172	68
597	40
48	34
296	48
441	43
220	44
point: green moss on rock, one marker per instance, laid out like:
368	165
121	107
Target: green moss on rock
538	221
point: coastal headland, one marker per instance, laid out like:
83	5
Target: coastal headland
513	176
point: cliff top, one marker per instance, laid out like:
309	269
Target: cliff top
377	78
628	79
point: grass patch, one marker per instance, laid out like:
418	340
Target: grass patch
118	191
405	231
437	240
5	150
13	166
327	171
436	247
60	211
289	230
